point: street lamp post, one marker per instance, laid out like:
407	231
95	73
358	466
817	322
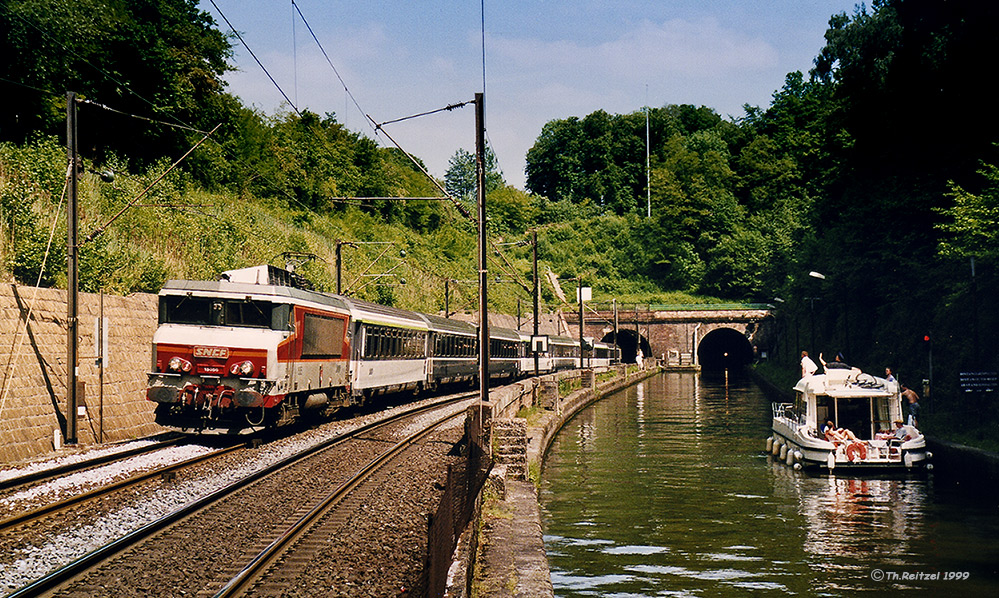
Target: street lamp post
811	319
581	297
778	302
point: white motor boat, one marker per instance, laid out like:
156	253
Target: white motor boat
867	435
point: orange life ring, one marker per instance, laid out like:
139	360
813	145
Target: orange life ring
854	448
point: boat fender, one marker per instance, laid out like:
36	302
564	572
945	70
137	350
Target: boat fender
797	466
770	443
790	458
929	455
783	452
798	456
929	467
831	461
777	445
907	459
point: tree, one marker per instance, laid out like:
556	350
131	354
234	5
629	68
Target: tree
161	59
460	180
972	222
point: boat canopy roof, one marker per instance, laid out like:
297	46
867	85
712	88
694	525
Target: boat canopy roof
851	383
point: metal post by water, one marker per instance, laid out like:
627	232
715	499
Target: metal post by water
582	348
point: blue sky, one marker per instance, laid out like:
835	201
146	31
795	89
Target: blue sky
544	60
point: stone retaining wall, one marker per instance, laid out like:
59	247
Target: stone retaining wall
33	369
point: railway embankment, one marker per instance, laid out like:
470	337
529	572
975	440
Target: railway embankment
502	552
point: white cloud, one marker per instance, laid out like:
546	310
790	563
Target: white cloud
701	49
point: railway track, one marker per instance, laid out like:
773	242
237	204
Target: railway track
60	507
41	475
225	527
286	560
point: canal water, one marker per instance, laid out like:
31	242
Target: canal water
664	490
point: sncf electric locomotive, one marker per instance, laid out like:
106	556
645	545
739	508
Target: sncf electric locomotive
260	348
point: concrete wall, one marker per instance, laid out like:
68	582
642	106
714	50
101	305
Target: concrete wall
33	369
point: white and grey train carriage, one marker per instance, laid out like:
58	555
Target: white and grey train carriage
258	348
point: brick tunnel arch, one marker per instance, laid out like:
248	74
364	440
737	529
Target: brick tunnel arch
629	341
724	348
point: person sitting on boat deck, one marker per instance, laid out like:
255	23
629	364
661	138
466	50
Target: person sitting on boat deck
904	432
836	364
808	366
900	431
839	435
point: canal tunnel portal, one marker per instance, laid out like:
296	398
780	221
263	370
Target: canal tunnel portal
629	342
724	348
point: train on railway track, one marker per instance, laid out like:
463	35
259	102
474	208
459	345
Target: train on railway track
260	348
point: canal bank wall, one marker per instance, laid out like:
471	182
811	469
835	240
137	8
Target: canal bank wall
502	553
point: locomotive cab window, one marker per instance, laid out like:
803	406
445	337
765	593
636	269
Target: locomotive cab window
248	313
215	311
185	310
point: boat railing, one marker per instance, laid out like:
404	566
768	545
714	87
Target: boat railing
786	412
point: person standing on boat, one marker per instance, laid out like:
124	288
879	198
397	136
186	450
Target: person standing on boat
888	375
911	396
808	366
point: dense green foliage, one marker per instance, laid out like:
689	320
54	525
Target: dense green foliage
159	58
869	169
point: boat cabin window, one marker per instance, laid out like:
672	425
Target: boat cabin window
854	414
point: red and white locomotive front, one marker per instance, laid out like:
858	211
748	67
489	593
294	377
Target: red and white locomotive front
233	355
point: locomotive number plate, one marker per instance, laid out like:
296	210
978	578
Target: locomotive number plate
211	352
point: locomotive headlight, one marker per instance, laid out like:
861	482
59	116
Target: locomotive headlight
244	368
178	364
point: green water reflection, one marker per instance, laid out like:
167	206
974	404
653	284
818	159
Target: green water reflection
663	490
